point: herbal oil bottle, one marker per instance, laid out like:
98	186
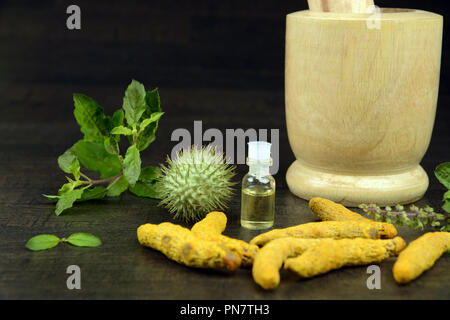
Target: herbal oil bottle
258	188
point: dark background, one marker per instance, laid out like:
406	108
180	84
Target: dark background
221	62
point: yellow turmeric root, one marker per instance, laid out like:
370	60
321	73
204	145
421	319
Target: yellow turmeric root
336	254
214	222
325	229
181	245
268	261
420	255
328	210
211	228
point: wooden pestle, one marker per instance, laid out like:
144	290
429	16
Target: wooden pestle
342	6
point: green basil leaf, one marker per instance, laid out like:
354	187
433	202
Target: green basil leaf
98	192
447	195
149	174
111	146
66	188
148	135
117	119
442	173
52	198
122	130
118	188
68	162
132	165
93	156
72	184
134	102
84	240
67	199
153	101
446	206
153	118
144	189
42	242
91	118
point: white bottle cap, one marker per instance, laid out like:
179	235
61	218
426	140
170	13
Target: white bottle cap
259	150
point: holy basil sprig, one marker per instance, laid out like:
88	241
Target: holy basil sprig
99	149
416	217
413	217
48	241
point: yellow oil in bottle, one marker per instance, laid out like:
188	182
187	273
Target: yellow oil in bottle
258	189
258	207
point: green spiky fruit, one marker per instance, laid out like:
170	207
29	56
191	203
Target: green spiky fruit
195	183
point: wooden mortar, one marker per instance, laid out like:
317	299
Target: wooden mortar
361	104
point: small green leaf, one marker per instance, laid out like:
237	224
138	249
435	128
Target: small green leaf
42	242
67	199
419	224
72	184
118	188
68	162
442	173
132	165
111	145
144	189
83	240
154	117
91	118
146	185
149	174
148	135
122	130
96	193
153	101
447	195
94	157
446	205
134	102
52	198
117	119
422	214
435	224
66	188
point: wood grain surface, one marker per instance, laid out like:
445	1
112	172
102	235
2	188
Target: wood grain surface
221	62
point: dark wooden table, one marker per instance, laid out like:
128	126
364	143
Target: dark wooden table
212	62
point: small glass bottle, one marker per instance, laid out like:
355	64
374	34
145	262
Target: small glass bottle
258	188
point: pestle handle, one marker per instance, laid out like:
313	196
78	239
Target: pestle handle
342	6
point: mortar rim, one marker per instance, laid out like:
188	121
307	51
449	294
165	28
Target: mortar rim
387	14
